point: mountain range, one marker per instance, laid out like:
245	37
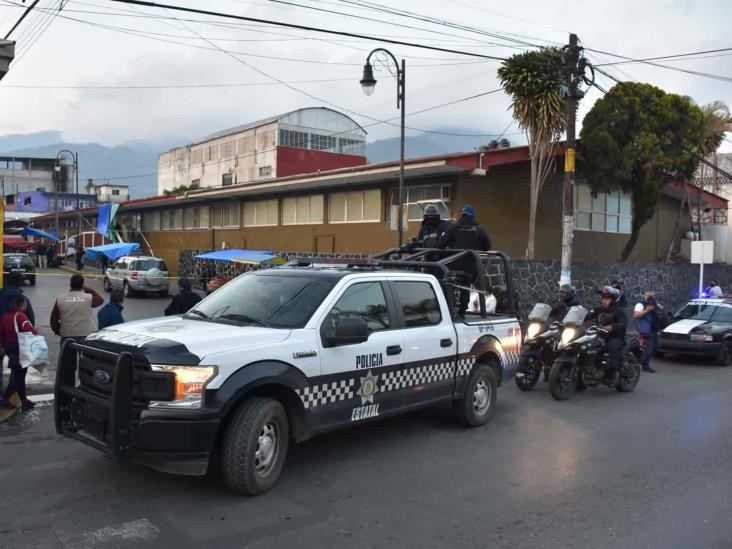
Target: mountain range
134	163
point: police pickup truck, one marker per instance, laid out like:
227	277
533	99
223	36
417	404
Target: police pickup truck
283	354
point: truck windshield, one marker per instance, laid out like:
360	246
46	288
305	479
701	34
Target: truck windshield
265	300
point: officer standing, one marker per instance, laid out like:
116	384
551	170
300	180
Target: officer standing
466	234
433	227
613	320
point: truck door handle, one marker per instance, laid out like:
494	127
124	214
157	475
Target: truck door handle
447	342
393	350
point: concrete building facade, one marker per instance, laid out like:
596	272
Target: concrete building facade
45	202
107	192
302	141
25	174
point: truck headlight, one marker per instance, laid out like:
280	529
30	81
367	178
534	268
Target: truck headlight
568	334
190	381
533	330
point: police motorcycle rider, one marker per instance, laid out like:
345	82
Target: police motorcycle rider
614	321
567	299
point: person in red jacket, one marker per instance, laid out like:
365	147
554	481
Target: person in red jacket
15	317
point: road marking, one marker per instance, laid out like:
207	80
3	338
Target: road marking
48	397
135	531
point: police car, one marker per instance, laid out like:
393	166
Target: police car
701	327
284	354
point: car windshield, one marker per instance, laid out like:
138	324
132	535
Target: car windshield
286	301
17	260
148	265
706	311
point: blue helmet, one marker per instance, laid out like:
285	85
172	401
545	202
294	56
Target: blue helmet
468	210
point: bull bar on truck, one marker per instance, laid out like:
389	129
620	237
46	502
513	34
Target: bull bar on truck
102	410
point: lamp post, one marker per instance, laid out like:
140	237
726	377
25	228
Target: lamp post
59	164
368	84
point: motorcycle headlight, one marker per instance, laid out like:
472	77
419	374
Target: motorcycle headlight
568	334
533	330
190	381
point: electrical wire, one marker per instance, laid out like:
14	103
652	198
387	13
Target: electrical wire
40	31
168	86
664	57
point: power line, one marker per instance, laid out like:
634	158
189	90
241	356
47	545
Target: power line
305	27
168	86
20	20
39	32
663	57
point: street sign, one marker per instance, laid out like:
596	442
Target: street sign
702	252
7	53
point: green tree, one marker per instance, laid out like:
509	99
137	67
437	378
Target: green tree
532	80
637	139
180	189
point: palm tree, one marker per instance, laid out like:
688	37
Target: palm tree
533	80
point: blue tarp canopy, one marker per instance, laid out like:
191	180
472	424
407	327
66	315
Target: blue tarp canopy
112	251
40	234
254	257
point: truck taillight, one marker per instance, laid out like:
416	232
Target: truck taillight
134	274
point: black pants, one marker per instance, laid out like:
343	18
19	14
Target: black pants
16	383
615	351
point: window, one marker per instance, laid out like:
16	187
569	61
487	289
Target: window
416	198
350	146
265	171
148	265
151	221
196	218
292	138
322	142
226	215
227	179
172	219
212	153
227	150
364	300
115	192
302	210
355	206
419	303
245	145
197	156
260	213
606	212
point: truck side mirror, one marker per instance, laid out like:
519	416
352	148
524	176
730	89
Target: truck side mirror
349	331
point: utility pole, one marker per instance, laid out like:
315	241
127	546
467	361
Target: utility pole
570	100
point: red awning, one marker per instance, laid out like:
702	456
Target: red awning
17	243
708	200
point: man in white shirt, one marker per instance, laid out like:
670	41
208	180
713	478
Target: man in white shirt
714	289
490	301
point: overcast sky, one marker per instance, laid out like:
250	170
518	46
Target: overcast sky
77	50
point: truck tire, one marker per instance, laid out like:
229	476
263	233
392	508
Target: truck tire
107	285
562	380
129	292
476	406
255	446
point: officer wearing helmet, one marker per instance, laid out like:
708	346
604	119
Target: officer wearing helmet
433	227
567	299
614	321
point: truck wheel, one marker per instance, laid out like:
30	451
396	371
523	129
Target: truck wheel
107	285
529	372
724	356
255	446
629	374
476	406
129	292
562	380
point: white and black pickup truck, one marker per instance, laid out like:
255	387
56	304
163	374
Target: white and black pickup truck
283	354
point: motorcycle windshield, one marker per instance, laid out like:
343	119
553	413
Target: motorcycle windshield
575	316
540	312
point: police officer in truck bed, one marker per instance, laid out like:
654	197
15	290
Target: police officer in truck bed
466	234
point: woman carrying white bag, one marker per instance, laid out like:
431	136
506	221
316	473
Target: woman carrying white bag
23	347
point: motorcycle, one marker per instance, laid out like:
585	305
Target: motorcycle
537	352
583	359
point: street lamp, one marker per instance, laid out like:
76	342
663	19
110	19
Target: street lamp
59	164
368	84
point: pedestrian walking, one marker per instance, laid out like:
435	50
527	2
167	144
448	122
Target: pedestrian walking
80	257
13	321
111	313
51	256
41	251
466	234
714	290
184	301
71	317
12	289
647	314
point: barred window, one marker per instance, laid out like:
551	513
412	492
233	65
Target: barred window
355	206
172	219
605	213
265	171
225	215
302	210
292	138
322	142
261	213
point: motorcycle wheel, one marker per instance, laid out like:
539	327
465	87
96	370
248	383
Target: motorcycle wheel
562	380
531	370
629	374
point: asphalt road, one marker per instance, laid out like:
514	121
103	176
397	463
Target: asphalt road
52	283
640	470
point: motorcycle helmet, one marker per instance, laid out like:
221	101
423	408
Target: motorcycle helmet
609	291
431	213
566	292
